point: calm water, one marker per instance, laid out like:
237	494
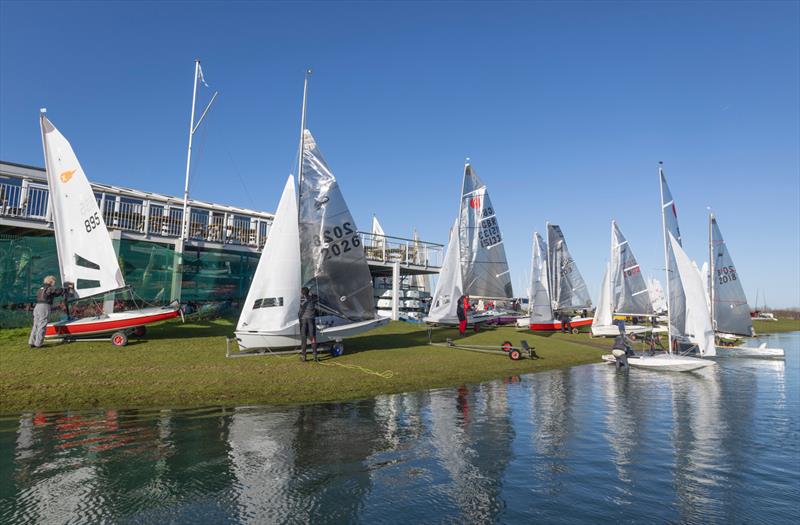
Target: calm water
568	446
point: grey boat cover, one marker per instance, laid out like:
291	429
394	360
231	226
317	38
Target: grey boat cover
629	291
540	305
731	311
676	295
483	258
332	257
567	288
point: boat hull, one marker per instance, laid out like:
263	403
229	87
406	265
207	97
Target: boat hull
289	337
664	362
760	352
556	325
113	322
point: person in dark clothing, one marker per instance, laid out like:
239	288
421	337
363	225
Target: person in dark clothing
566	325
461	310
622	347
41	312
308	327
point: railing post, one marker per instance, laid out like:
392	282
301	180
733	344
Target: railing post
146	212
396	291
258	233
23	198
116	210
165	222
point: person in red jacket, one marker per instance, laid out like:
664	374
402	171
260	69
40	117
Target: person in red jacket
461	310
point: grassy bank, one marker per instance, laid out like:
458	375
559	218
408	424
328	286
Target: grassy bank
773	327
185	365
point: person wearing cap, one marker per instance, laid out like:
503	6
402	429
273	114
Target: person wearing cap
41	312
307	316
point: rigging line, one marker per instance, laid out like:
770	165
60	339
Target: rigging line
236	170
386	374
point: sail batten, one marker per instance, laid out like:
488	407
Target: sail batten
86	254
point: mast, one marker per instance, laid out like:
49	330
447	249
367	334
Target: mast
666	255
530	281
711	276
302	134
549	275
192	128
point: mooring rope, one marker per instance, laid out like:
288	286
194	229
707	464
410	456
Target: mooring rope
386	374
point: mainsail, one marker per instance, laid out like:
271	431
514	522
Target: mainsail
483	258
448	287
567	288
676	298
540	304
697	326
729	308
630	294
602	315
334	265
274	296
86	256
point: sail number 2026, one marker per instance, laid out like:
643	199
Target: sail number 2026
92	222
338	240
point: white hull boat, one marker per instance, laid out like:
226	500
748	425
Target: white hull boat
289	337
752	352
665	362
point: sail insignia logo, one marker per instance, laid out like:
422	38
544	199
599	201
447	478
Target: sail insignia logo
66	175
475	203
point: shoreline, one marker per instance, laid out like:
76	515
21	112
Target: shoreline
184	366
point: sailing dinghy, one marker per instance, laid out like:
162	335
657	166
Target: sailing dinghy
86	256
475	262
623	291
313	242
689	320
555	279
730	312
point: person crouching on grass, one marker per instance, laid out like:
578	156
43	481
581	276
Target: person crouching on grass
41	312
461	310
308	322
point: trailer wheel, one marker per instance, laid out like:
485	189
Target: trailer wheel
507	346
575	331
337	350
140	331
119	339
514	355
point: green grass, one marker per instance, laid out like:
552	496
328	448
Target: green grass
184	365
773	327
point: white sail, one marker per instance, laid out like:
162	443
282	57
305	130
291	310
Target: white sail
334	265
86	256
676	300
602	316
629	291
567	288
657	297
483	258
274	296
378	240
730	311
540	304
448	287
420	281
698	321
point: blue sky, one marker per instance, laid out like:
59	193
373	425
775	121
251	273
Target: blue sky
564	108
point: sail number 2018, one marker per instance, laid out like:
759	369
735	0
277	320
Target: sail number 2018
338	240
726	273
92	222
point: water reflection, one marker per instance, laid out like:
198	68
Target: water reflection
573	445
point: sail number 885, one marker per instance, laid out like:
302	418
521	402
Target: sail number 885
92	222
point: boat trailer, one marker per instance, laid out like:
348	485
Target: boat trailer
515	353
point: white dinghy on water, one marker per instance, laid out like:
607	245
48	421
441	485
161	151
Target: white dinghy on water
475	263
730	312
313	242
86	256
689	320
623	291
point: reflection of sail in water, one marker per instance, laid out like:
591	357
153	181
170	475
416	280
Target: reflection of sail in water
474	465
551	414
698	430
262	460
